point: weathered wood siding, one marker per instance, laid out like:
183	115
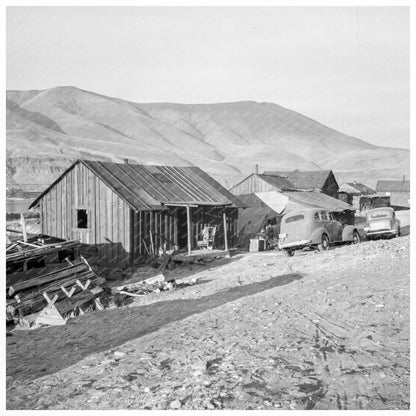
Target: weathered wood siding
109	218
153	229
119	234
331	187
252	184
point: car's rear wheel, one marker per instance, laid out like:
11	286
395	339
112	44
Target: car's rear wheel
289	253
356	237
324	245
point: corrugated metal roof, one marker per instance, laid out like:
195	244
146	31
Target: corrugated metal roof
145	187
314	199
391	186
216	185
303	179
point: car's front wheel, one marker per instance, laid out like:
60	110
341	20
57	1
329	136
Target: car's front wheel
324	245
356	237
289	253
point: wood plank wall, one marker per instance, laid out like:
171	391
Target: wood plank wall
108	216
252	184
163	225
330	186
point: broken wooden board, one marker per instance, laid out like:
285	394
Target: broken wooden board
76	301
199	255
22	276
50	277
137	285
44	249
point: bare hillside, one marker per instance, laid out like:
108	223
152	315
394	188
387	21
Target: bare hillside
48	129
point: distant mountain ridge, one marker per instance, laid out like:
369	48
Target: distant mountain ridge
48	129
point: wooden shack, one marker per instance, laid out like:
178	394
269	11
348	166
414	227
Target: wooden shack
398	191
127	211
323	181
351	193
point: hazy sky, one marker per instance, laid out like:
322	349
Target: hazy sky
347	67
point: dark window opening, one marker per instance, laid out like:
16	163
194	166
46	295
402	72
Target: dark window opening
82	218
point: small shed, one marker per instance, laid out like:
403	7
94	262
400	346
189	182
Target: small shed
126	211
398	191
323	181
351	193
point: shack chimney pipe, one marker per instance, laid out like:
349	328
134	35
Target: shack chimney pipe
126	161
256	169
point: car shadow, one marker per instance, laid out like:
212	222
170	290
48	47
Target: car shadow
31	354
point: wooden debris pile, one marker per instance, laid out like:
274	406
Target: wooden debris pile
49	282
154	284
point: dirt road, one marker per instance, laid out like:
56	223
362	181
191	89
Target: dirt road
259	331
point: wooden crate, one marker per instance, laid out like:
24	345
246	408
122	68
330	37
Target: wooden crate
256	245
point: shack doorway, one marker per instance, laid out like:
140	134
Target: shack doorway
182	228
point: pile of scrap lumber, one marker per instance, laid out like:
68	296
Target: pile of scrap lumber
49	291
35	252
153	284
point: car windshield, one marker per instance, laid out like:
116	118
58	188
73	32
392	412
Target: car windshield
380	214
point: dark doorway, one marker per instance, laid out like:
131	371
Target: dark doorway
182	228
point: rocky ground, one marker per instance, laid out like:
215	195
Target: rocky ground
258	331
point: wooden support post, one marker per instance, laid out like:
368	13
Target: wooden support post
189	231
175	228
225	231
152	247
23	222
